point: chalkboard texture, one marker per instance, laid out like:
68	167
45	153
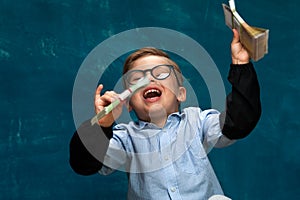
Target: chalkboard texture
42	46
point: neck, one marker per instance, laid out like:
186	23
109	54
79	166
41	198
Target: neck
159	122
157	115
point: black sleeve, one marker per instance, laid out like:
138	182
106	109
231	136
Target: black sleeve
243	107
81	160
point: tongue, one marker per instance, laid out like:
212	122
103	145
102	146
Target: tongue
152	94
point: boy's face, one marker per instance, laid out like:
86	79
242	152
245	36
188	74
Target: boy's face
161	97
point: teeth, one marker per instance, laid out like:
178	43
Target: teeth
152	90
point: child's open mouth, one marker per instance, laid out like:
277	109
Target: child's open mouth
152	94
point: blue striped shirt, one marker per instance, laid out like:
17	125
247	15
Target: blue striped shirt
169	162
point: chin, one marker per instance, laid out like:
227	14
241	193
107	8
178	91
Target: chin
157	111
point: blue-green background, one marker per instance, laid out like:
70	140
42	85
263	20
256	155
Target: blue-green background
44	42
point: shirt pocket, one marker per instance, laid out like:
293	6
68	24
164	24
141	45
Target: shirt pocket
194	160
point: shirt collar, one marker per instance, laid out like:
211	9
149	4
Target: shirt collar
141	124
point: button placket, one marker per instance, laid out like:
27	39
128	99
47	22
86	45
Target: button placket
165	148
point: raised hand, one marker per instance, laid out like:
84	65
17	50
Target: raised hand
101	101
239	54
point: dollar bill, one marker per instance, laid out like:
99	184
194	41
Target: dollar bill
254	39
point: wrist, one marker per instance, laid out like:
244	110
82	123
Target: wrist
239	62
105	124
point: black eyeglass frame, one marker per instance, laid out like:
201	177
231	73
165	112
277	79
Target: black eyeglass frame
171	67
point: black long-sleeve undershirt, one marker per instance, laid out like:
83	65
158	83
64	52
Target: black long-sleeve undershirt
243	107
243	110
81	160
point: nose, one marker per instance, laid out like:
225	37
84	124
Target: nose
149	76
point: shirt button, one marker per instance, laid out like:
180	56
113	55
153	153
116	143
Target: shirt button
173	189
166	158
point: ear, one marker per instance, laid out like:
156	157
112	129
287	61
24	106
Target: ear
181	96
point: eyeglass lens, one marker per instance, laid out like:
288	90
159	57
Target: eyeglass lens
159	72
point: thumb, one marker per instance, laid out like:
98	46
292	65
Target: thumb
236	36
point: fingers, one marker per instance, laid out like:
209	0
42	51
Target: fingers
104	100
238	53
101	101
236	36
98	91
108	96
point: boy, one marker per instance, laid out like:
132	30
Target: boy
164	152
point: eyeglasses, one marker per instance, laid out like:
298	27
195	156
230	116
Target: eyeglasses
159	72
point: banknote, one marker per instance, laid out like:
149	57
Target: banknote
254	39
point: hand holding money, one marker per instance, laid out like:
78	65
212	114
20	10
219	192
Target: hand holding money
254	39
239	54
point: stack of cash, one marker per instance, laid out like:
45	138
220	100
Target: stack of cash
254	39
